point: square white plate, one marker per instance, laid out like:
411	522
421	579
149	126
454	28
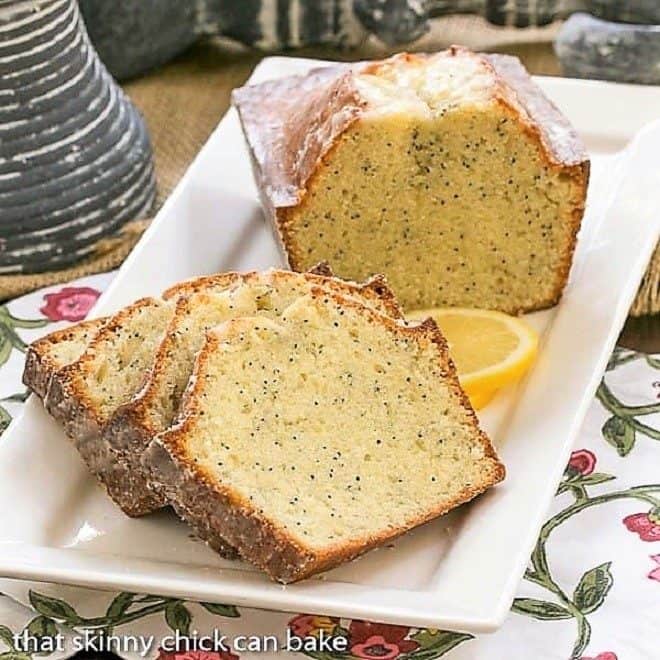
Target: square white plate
458	572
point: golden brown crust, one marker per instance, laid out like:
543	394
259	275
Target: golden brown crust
561	143
375	288
203	282
124	486
322	268
222	515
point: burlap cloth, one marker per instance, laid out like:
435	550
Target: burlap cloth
183	101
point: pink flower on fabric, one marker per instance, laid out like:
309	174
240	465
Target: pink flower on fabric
655	573
641	524
582	462
608	655
378	640
72	303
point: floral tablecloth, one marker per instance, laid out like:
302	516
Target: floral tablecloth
591	591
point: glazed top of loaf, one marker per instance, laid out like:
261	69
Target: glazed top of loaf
291	123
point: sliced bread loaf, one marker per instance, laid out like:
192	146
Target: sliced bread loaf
56	350
84	390
203	304
307	440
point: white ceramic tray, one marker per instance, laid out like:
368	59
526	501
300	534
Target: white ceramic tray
459	572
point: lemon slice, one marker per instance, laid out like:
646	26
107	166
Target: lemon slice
490	349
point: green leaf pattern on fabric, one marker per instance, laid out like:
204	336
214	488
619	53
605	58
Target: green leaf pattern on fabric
41	629
54	608
619	434
592	588
178	617
9	338
540	609
221	610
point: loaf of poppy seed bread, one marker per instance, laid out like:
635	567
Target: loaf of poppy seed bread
56	350
202	304
451	173
306	440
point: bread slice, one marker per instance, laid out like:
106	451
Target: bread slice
202	304
83	395
307	440
45	356
452	173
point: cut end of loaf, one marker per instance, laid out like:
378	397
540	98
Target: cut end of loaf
458	210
